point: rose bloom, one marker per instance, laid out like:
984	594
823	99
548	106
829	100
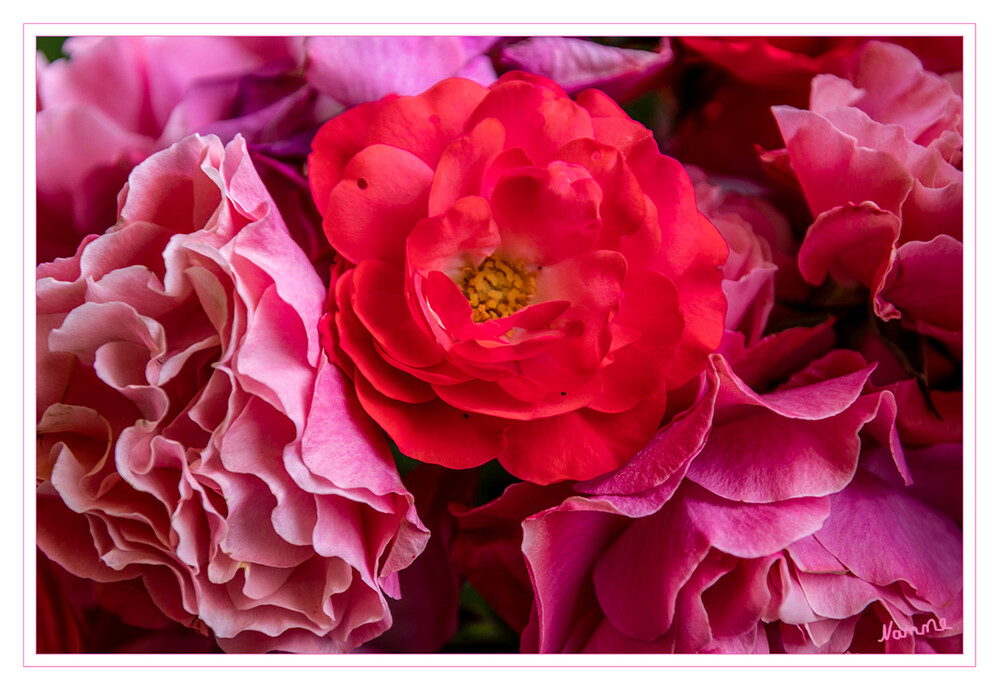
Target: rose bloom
878	158
525	276
763	519
195	448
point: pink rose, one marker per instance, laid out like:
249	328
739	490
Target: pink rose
116	100
873	156
194	446
525	276
877	156
774	532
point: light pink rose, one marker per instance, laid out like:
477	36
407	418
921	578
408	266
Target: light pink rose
194	445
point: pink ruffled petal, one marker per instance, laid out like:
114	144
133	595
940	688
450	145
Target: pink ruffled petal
803	443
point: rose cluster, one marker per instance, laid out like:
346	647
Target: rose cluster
423	344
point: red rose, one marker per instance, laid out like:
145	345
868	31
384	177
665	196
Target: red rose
524	276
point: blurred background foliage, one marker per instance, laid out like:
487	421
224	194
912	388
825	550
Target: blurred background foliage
51	46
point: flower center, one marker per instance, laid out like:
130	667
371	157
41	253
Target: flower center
497	288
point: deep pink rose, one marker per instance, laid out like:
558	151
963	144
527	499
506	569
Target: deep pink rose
873	156
877	156
194	445
525	276
725	574
773	531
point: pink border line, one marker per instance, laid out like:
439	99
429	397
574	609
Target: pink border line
24	565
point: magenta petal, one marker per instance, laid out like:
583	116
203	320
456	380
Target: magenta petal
837	596
754	530
792	443
851	243
884	536
736	602
560	546
625	571
926	284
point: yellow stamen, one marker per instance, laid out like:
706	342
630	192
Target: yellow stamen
497	288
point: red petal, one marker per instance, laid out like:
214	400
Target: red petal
372	210
547	214
463	164
335	143
379	301
579	445
434	431
554	119
465	235
424	125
